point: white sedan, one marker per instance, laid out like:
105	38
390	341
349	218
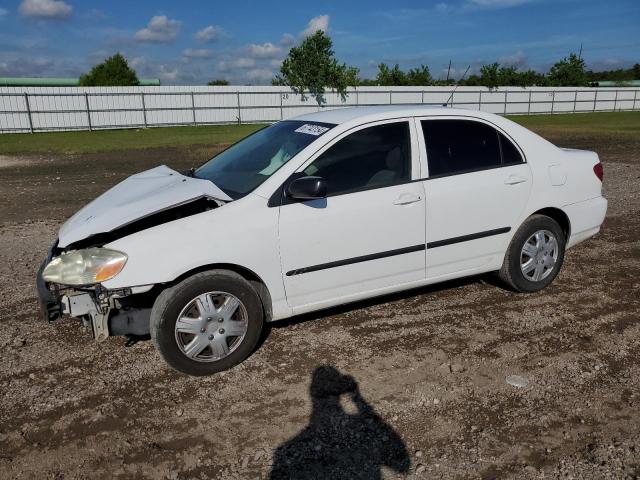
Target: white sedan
320	210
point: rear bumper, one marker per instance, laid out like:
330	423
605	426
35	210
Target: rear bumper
585	218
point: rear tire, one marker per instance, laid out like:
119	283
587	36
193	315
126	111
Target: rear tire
535	255
207	323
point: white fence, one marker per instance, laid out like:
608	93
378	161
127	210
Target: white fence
36	109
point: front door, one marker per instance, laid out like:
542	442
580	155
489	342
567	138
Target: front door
368	235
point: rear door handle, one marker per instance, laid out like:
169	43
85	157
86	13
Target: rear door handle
407	198
514	180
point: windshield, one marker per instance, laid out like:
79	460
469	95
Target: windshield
242	167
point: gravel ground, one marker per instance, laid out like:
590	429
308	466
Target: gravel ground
406	386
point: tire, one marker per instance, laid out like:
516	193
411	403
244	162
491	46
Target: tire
539	255
196	344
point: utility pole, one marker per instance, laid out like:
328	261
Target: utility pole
448	70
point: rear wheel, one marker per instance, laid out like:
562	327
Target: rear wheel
207	323
535	255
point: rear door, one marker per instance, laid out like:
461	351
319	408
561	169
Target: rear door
368	235
477	188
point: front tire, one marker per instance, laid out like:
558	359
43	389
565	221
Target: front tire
535	255
207	323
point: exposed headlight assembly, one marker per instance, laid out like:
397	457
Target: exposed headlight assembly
85	267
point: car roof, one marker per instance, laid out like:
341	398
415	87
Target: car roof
373	113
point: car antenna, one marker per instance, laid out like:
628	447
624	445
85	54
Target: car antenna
456	87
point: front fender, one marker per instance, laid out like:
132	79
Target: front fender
243	233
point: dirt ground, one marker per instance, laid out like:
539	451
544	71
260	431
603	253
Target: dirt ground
406	386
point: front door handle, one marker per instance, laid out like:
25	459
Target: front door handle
514	180
407	198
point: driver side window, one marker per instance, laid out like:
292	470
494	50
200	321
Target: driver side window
373	157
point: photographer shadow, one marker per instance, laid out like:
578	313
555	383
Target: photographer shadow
336	443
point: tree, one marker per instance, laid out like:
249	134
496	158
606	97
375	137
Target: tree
390	77
218	82
420	76
489	76
113	72
636	71
312	67
568	72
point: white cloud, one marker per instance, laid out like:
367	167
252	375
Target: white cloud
3	12
518	59
18	67
160	29
259	75
168	74
238	63
287	40
51	9
266	50
496	3
210	34
137	62
321	22
197	53
276	63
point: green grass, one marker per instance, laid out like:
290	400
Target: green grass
597	124
600	123
111	140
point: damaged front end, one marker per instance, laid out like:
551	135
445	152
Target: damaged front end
106	312
71	280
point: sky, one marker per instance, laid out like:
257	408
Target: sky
191	42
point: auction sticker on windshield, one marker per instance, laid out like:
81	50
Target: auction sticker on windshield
311	129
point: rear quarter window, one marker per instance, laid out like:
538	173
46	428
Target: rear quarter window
510	153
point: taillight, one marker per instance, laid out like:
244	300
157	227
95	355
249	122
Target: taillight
597	169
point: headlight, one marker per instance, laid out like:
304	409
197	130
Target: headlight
85	267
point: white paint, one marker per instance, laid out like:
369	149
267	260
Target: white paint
271	241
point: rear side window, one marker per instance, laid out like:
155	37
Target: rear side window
373	157
510	154
459	146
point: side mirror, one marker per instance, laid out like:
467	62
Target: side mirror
307	188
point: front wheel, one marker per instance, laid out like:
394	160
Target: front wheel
207	323
535	255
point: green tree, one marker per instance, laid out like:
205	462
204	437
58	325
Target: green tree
312	67
420	76
390	77
636	71
568	72
218	82
113	72
489	76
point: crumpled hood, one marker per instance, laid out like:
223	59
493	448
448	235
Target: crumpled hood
136	197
